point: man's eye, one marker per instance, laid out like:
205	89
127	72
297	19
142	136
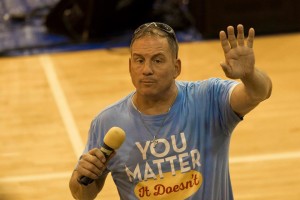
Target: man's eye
140	61
157	61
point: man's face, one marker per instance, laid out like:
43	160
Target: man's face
153	68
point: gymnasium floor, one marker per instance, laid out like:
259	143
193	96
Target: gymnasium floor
48	101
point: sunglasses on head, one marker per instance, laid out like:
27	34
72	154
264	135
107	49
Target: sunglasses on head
161	26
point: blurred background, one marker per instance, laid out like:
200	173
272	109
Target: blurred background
62	61
36	26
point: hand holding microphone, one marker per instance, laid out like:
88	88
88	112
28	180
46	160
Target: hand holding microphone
113	139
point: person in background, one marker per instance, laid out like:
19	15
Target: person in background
178	132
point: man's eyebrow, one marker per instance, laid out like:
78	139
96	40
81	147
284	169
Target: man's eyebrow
155	55
136	54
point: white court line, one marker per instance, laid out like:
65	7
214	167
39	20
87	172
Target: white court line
37	177
265	157
62	104
233	160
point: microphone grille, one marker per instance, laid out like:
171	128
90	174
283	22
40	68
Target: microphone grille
115	137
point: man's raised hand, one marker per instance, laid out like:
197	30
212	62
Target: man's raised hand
239	58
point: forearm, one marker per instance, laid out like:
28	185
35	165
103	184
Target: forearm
257	86
88	192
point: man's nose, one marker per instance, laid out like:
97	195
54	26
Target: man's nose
148	68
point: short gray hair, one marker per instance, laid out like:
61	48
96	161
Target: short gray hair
158	29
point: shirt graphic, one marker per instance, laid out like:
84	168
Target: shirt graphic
168	177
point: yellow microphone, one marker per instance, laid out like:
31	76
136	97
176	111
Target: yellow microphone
113	139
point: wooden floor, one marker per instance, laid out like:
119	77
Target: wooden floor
48	101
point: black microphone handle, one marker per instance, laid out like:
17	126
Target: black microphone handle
107	151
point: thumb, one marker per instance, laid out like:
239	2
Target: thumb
226	68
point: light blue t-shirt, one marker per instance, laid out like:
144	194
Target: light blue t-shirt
190	160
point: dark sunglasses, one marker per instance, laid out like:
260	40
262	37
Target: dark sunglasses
161	26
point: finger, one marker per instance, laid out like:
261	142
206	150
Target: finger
84	172
98	153
224	42
93	174
231	37
89	169
240	35
250	38
91	159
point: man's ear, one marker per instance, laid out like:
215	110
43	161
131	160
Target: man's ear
177	70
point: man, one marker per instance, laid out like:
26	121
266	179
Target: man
178	132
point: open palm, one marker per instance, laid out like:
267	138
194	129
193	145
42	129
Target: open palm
239	58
